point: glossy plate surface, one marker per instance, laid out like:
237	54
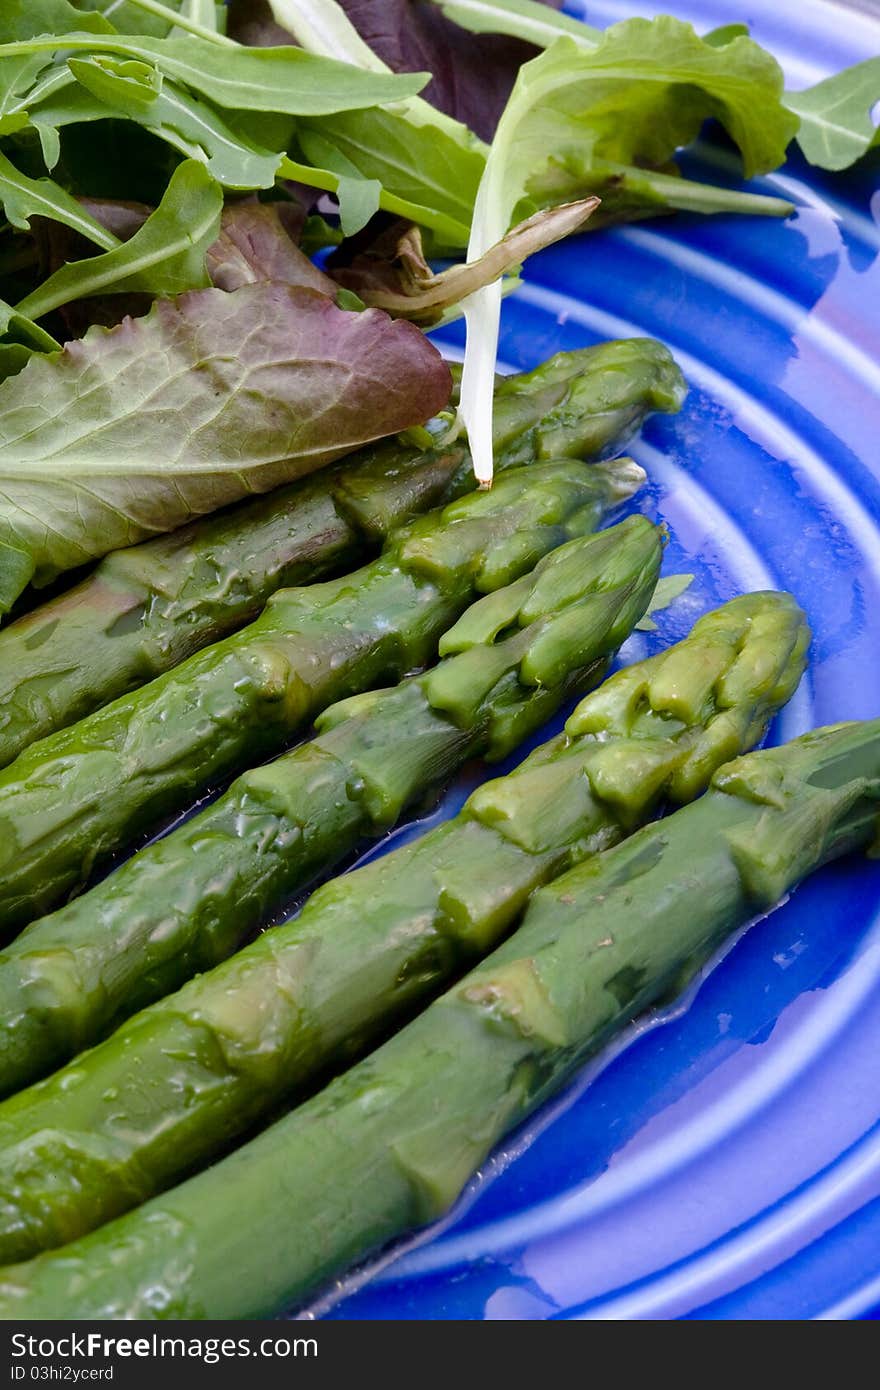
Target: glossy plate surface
726	1162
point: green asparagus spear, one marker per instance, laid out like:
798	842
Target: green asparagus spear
145	609
390	1144
70	800
174	1085
189	900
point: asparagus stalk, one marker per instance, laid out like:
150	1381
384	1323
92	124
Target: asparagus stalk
69	801
171	1088
389	1145
145	609
187	901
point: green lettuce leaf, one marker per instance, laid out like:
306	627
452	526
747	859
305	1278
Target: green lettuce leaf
211	397
836	126
629	193
633	99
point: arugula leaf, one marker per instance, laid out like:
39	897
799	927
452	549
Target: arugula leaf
323	27
211	397
420	163
359	199
160	19
836	127
20	337
414	162
668	588
127	18
23	198
471	77
642	92
17	76
125	83
164	257
23	19
257	241
21	329
187	124
237	163
449	231
59	244
409	149
249	79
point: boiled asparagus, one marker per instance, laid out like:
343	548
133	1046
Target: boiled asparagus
170	1089
190	899
389	1145
73	798
145	609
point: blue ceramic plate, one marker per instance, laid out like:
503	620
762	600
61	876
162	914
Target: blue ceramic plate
725	1162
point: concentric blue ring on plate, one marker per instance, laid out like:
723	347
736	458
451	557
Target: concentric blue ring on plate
726	1162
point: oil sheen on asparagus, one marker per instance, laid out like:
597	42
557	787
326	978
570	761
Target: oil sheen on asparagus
72	799
390	1144
170	1089
187	901
145	609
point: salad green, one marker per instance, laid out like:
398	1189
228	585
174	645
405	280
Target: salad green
185	119
241	392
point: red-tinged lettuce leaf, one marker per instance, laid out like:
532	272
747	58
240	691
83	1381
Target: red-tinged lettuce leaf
59	244
472	74
120	216
257	242
211	397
